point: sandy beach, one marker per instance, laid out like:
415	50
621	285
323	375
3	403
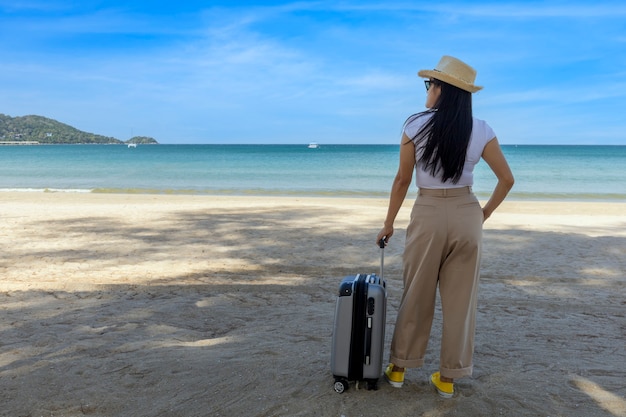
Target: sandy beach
174	305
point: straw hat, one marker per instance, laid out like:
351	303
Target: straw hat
453	71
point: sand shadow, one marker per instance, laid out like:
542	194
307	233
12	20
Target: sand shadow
241	335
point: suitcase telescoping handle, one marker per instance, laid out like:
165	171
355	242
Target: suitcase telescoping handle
382	256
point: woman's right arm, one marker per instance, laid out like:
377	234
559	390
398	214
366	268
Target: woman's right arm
400	186
492	154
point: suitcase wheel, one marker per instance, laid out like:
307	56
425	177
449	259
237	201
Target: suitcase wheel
340	385
372	384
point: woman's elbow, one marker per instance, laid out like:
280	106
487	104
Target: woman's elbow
508	181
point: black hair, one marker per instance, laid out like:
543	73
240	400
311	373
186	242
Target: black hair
444	138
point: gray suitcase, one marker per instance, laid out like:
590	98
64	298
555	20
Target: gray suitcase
359	329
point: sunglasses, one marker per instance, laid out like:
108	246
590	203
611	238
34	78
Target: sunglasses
428	83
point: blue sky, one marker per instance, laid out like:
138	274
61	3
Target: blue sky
324	71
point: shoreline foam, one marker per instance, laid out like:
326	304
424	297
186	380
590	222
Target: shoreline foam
260	193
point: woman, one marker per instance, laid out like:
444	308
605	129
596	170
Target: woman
443	239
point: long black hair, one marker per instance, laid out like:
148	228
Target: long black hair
444	138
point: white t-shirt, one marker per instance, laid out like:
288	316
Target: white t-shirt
482	133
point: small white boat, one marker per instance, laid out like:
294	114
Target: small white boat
132	145
313	145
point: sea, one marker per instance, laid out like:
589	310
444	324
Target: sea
576	173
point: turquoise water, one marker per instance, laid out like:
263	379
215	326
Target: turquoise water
541	172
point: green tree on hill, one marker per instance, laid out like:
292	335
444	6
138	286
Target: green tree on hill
48	131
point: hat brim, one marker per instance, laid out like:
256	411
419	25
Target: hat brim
449	79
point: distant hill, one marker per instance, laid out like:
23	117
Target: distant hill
48	131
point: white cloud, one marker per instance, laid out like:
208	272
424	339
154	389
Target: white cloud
515	10
348	68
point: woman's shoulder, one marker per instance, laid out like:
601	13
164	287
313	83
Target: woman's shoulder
415	123
482	127
479	122
419	118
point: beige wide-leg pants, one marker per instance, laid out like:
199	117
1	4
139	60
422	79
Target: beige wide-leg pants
443	248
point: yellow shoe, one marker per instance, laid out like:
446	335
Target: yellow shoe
395	378
445	389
